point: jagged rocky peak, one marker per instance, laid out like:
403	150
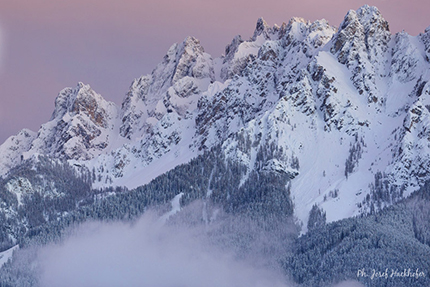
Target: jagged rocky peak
189	59
294	30
262	28
272	33
232	48
193	61
132	108
321	25
138	89
320	33
295	88
370	19
190	46
230	65
296	23
138	92
364	28
239	52
80	125
82	100
297	20
361	44
184	71
299	31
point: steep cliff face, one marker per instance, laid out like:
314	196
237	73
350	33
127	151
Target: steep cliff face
361	44
336	109
80	128
174	85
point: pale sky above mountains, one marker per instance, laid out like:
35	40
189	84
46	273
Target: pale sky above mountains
47	45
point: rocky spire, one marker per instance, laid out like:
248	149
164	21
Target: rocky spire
360	44
82	100
149	96
364	28
192	61
261	28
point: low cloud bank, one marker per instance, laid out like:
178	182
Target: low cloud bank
146	253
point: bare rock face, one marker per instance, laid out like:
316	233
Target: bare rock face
262	29
82	100
361	31
229	69
412	151
79	127
192	61
183	70
361	44
334	105
133	106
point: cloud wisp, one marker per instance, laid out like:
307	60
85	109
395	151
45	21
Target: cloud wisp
146	254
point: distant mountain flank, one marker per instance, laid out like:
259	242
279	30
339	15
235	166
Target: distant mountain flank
343	112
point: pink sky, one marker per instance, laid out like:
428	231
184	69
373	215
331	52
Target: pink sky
46	45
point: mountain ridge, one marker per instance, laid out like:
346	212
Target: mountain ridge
346	107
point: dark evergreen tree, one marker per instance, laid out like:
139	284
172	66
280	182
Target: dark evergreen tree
317	218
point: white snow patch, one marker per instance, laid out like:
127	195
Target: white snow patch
176	207
6	255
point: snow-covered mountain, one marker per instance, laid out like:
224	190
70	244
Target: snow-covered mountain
346	112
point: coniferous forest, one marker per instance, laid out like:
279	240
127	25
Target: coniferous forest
391	239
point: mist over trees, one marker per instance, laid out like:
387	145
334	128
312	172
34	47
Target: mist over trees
252	218
43	218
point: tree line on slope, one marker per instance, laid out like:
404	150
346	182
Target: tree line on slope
391	241
262	195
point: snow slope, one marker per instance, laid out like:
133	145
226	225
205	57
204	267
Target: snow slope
346	111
